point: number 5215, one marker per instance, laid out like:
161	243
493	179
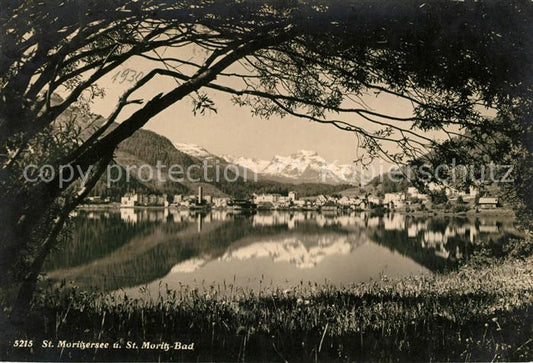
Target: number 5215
23	343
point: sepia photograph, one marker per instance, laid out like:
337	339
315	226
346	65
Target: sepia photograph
276	180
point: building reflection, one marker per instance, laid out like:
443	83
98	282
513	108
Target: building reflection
445	236
110	247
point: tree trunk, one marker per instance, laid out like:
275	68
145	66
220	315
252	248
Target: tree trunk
28	286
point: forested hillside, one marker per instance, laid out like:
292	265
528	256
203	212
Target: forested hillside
147	148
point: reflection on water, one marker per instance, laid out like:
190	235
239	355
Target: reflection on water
128	248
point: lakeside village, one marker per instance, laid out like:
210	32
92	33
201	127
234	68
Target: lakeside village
410	201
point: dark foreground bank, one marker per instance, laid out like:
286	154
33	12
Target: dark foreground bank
480	313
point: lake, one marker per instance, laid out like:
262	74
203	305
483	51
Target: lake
130	249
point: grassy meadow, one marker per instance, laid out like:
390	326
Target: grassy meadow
482	312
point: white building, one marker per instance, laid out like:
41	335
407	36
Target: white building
414	193
452	192
472	192
488	203
293	196
394	200
266	198
283	199
372	199
299	203
129	200
220	202
321	199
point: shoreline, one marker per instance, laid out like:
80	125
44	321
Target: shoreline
429	213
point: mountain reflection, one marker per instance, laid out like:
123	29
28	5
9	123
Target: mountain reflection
302	251
130	247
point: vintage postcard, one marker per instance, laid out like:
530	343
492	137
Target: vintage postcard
283	180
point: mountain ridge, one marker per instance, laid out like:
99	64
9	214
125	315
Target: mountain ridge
302	166
146	148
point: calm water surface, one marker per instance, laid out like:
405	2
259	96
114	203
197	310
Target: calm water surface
128	249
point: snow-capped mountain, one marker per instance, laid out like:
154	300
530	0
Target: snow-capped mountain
255	165
301	251
304	166
204	155
293	251
300	167
193	150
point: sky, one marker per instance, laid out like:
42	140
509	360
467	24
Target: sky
234	130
